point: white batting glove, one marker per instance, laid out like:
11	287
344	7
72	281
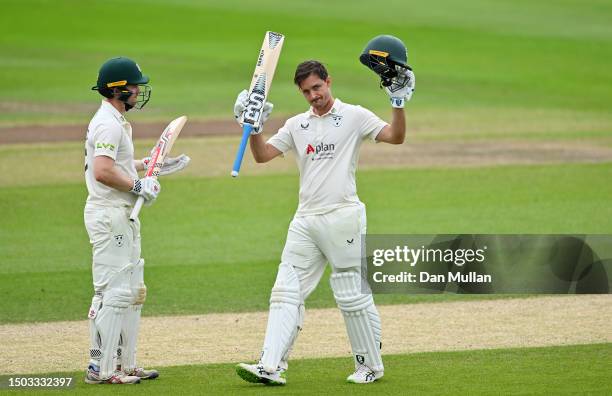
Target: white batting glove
148	188
401	88
241	103
175	164
171	164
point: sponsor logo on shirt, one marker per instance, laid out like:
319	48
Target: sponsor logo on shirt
304	125
106	146
321	151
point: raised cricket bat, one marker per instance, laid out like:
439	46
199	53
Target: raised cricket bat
259	90
158	155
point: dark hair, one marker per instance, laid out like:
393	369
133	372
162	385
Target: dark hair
307	68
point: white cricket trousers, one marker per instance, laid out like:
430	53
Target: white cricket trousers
333	237
115	242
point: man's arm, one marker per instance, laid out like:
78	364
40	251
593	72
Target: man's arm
262	151
108	174
396	132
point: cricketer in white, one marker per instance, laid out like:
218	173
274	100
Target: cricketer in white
329	221
113	186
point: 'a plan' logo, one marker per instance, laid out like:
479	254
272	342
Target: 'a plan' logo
321	151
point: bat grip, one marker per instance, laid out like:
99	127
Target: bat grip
136	210
246	132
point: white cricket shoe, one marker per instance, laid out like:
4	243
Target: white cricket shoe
255	373
143	373
364	375
92	376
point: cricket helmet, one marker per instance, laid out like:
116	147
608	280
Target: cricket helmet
117	73
384	55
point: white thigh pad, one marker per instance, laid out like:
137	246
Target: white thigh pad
285	318
117	298
361	318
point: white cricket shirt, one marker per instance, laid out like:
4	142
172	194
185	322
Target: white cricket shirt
109	134
327	152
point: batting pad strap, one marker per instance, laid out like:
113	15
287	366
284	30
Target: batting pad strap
354	303
284	294
347	291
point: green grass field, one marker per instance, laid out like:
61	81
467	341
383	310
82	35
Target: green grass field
556	370
191	254
486	71
522	67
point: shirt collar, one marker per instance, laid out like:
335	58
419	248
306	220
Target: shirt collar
112	110
334	109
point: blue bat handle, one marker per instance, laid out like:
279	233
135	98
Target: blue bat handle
246	132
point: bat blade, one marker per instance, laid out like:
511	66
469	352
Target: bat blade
259	89
158	155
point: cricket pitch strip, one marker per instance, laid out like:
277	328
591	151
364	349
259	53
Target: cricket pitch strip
235	337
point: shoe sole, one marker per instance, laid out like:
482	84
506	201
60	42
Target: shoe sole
101	382
248	376
360	383
254	379
150	377
370	382
98	382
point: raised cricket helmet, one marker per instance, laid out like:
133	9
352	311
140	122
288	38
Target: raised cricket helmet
384	55
115	74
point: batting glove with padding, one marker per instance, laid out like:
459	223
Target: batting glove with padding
171	164
401	88
242	102
148	188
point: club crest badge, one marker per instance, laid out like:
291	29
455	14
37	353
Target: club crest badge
337	120
119	240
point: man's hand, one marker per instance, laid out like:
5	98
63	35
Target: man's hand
171	164
148	188
139	294
241	103
401	88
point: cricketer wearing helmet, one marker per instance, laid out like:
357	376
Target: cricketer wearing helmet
114	186
330	219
